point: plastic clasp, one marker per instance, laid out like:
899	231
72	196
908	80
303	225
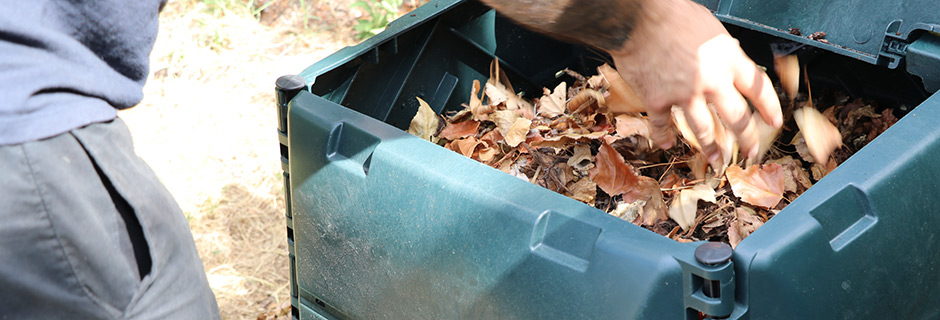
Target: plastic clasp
708	282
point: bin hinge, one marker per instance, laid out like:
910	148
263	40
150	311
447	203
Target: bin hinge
923	60
285	89
708	282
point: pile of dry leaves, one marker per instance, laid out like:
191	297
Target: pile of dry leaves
571	142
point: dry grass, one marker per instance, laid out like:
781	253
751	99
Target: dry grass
207	127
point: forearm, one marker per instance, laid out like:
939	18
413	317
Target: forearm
603	24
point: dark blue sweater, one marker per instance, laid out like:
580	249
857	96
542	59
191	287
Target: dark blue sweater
67	63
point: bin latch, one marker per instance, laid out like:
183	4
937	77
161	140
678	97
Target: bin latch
708	282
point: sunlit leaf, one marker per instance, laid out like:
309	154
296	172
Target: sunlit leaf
757	185
788	70
821	136
460	130
425	122
632	126
584	190
744	223
685	204
552	103
611	173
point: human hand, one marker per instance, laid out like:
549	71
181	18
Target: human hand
679	54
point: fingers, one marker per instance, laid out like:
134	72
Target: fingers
754	85
661	130
702	123
733	111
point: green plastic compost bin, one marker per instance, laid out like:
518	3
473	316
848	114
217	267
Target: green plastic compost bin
384	225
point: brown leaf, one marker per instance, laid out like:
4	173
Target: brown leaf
766	134
622	98
795	179
757	185
612	174
654	210
517	132
477	108
685	204
582	158
821	136
465	146
552	103
800	144
499	90
788	70
566	139
584	99
632	126
460	130
723	138
425	122
487	154
744	223
584	190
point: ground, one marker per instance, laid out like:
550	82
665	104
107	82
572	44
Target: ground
207	127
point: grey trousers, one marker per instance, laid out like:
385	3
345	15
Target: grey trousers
87	231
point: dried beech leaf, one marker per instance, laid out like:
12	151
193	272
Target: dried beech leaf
517	132
685	204
795	178
611	173
465	146
477	108
425	122
582	158
766	134
699	166
629	212
597	82
459	130
821	136
632	126
585	98
622	98
654	209
745	222
487	154
584	190
552	104
800	144
566	139
788	70
504	119
758	185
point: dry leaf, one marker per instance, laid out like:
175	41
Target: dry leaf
745	222
582	158
821	136
654	209
794	175
425	122
685	204
459	130
487	154
629	212
585	98
699	165
552	104
566	139
465	146
622	98
611	173
632	126
517	132
583	190
499	90
788	70
757	185
766	134
477	108
800	144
